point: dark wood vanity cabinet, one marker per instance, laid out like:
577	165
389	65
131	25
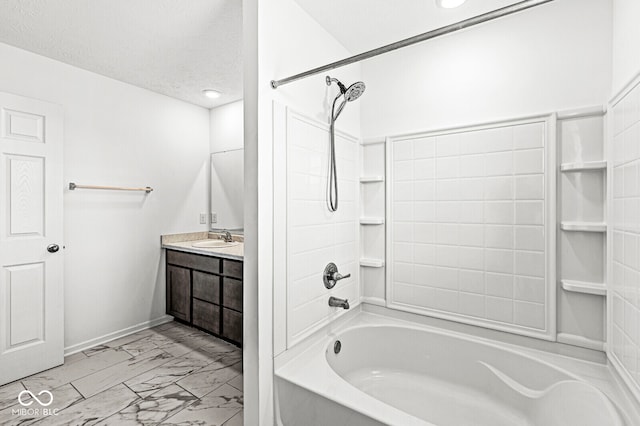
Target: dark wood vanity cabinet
206	292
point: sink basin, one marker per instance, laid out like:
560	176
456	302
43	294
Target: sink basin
214	244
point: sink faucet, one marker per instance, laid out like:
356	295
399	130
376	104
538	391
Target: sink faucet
226	236
338	303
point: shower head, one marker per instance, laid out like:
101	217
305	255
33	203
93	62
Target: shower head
354	91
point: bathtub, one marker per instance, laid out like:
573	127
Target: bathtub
376	371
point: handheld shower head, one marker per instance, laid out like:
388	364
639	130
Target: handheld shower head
354	91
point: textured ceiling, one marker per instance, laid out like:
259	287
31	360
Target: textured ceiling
173	47
362	25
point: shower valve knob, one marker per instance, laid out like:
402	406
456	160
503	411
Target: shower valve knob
332	276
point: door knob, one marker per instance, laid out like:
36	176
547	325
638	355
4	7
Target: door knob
52	248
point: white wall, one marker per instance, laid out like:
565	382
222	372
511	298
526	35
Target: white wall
117	134
553	57
626	42
227	165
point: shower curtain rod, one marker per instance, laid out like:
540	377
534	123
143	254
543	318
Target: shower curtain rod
489	16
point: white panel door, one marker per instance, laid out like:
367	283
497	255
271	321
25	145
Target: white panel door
31	262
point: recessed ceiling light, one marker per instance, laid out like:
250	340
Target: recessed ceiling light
211	94
449	4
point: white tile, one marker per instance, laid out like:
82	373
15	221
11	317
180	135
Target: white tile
446	278
424	275
403	150
529	289
471	281
528	136
424	233
471	258
424	148
447	234
447	145
471	304
499	163
529	263
424	190
425	169
403	272
498	188
499	261
499	309
500	285
501	212
403	171
471	189
424	211
471	166
530	187
403	252
631	250
498	236
403	191
447	256
447	190
403	232
447	211
529	212
471	212
498	139
424	254
446	300
471	235
447	167
529	238
403	211
529	314
528	161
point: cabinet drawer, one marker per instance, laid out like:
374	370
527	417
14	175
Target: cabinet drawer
232	328
232	268
232	293
206	287
194	261
206	316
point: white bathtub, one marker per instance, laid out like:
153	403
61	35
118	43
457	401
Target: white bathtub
389	372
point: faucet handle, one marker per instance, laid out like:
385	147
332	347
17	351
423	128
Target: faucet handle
331	276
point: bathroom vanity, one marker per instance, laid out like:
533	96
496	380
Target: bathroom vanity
204	287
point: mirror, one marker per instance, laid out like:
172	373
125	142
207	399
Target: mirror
227	190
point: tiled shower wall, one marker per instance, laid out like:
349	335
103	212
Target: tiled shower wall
625	227
316	236
468	210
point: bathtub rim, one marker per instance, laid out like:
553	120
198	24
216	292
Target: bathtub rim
289	366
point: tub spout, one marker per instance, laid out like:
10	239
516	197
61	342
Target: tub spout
338	303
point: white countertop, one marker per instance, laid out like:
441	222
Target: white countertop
235	252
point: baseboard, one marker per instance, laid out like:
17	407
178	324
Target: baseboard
70	350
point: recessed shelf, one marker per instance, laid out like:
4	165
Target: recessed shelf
586	166
583	226
584	287
372	263
371	221
371	179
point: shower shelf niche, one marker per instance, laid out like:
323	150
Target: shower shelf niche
372	263
371	179
371	221
584	287
583	166
583	226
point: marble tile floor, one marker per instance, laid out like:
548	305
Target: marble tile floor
167	375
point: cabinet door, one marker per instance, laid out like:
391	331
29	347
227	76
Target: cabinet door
179	292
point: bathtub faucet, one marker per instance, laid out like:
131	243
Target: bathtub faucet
338	303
